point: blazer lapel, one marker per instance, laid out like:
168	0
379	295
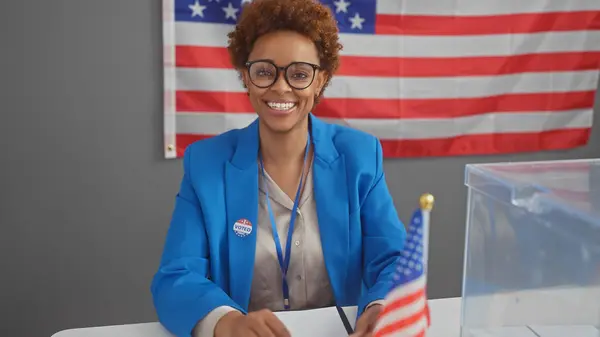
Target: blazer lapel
331	196
241	191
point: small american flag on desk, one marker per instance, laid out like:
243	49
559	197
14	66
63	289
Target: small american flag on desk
406	311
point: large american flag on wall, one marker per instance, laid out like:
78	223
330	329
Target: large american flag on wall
428	78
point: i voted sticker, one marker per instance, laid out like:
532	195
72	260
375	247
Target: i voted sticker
242	228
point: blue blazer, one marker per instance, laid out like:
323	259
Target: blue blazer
205	264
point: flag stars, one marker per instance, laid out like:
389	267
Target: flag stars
197	9
356	21
230	11
341	6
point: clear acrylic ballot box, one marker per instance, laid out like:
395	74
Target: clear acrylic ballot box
532	250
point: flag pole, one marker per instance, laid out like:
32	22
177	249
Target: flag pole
426	203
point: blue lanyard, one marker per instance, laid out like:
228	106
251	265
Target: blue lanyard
284	263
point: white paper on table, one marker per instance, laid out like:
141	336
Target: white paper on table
537	331
502	332
566	331
323	322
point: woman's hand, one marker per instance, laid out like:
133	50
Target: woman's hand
261	323
366	322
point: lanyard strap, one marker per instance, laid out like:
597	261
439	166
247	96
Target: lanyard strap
284	263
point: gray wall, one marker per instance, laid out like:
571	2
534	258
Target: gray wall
85	194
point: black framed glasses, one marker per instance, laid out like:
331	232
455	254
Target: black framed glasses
298	75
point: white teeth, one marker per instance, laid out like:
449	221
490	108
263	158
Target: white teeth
281	106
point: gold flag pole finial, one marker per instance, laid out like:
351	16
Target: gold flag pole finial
426	201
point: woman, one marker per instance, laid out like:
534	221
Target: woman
229	245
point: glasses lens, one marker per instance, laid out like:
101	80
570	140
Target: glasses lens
300	75
262	74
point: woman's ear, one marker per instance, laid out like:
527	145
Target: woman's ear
321	79
244	77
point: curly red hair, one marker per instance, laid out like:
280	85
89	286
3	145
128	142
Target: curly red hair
307	17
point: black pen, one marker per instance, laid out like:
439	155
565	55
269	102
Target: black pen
344	320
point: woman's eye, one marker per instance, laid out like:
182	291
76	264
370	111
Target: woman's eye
263	73
300	76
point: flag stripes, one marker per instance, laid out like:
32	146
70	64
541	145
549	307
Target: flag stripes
432	80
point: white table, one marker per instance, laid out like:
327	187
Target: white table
496	310
445	315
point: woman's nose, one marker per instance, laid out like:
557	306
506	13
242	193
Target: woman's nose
281	85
